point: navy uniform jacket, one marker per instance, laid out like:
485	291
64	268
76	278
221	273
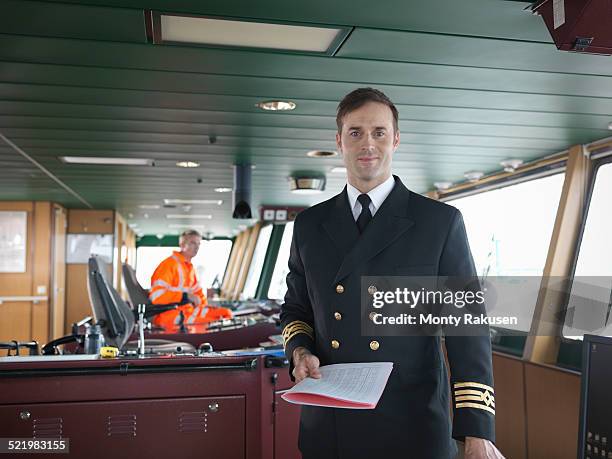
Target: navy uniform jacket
409	235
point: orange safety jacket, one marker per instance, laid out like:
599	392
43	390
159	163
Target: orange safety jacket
173	277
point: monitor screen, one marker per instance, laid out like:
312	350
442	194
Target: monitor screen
596	402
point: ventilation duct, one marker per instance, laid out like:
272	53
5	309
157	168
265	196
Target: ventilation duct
242	191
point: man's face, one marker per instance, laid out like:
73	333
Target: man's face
367	143
191	245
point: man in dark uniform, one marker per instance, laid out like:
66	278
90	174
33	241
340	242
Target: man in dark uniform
377	227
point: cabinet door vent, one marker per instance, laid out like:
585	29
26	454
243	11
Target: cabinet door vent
195	421
47	428
124	424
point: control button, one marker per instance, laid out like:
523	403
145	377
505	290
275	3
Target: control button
337	315
339	288
372	315
335	344
372	289
374	345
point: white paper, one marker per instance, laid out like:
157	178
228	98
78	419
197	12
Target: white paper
558	13
354	382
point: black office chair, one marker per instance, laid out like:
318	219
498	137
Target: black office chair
138	295
116	318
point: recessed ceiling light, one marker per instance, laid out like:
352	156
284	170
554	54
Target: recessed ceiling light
190	216
223	190
441	186
188	164
145	215
133	225
473	176
149	206
307	185
105	161
225	32
216	202
321	154
338	170
276	105
510	165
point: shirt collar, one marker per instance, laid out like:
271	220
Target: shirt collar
377	195
180	256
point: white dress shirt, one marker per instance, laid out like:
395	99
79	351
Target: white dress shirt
377	196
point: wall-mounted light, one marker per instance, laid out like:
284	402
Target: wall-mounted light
276	105
473	176
106	161
510	165
442	186
322	154
188	164
170	202
191	216
307	185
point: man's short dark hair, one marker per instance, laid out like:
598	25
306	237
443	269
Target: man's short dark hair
359	97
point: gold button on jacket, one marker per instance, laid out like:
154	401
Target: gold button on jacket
339	288
374	345
335	344
337	316
372	289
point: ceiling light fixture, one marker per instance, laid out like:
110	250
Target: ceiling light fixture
473	176
223	190
216	202
188	164
248	34
511	165
149	206
307	185
321	154
106	161
442	186
190	216
610	126
185	226
338	170
276	105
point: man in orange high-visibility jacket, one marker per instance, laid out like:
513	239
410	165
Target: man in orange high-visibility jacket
174	281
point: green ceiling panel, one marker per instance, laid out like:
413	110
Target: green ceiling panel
72	21
478	116
475	82
478	52
468	17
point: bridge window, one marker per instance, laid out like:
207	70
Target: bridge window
589	309
209	263
509	231
259	255
278	284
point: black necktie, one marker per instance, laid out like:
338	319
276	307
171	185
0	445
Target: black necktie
365	216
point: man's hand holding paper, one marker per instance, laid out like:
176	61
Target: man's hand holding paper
345	385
